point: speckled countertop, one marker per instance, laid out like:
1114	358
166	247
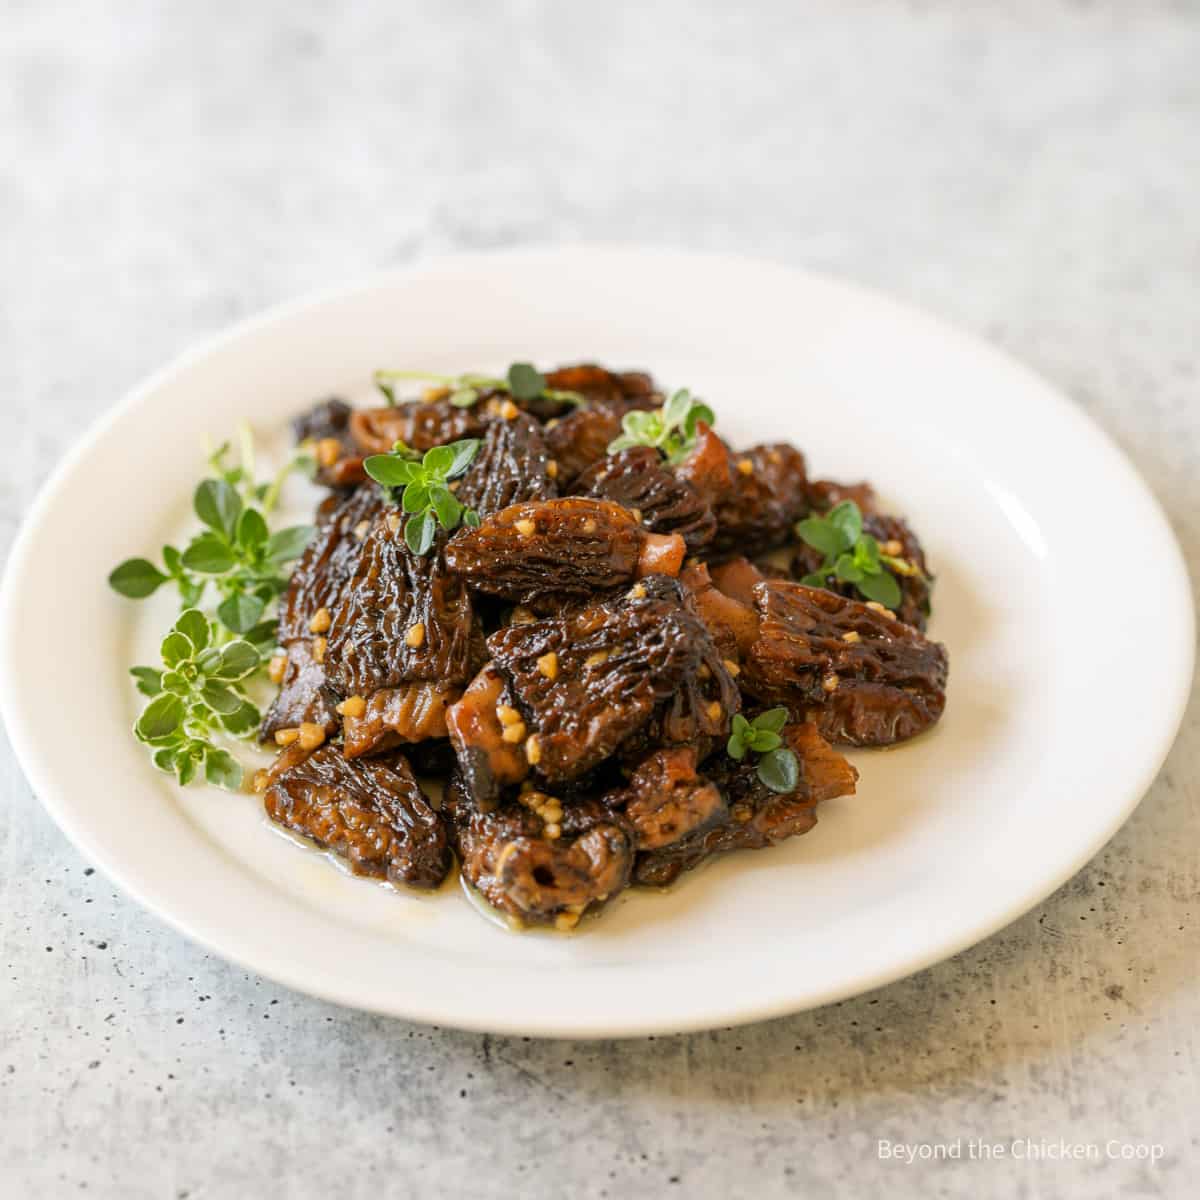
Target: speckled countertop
1030	170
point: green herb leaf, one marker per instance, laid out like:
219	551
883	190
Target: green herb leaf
866	554
221	699
415	498
207	662
445	506
243	720
251	529
858	561
164	759
779	770
240	613
847	519
739	730
847	569
186	763
218	505
149	681
391	470
419	531
464	455
137	578
238	659
208	554
176	683
820	535
438	461
697	413
464	397
763	735
881	588
672	429
764	740
176	649
288	544
160	718
774	719
470	518
425	496
194	626
675	410
222	770
262	637
524	382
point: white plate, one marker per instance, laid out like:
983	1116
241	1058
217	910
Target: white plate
1063	698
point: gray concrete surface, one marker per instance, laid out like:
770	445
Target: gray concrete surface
1029	170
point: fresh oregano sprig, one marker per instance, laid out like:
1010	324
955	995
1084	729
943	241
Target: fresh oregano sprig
671	429
522	381
777	766
853	556
236	554
197	694
421	486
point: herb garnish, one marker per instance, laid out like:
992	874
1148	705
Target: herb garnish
670	429
777	767
853	556
522	381
426	494
196	695
236	552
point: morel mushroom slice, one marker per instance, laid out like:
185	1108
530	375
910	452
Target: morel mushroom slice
873	679
490	751
586	681
326	419
823	494
897	540
708	468
581	439
326	426
559	548
420	424
699	712
737	577
321	575
600	388
304	697
412	712
732	624
512	465
403	618
370	814
541	861
667	800
665	503
769	495
752	816
328	563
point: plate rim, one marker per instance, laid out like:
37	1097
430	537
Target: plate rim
22	733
